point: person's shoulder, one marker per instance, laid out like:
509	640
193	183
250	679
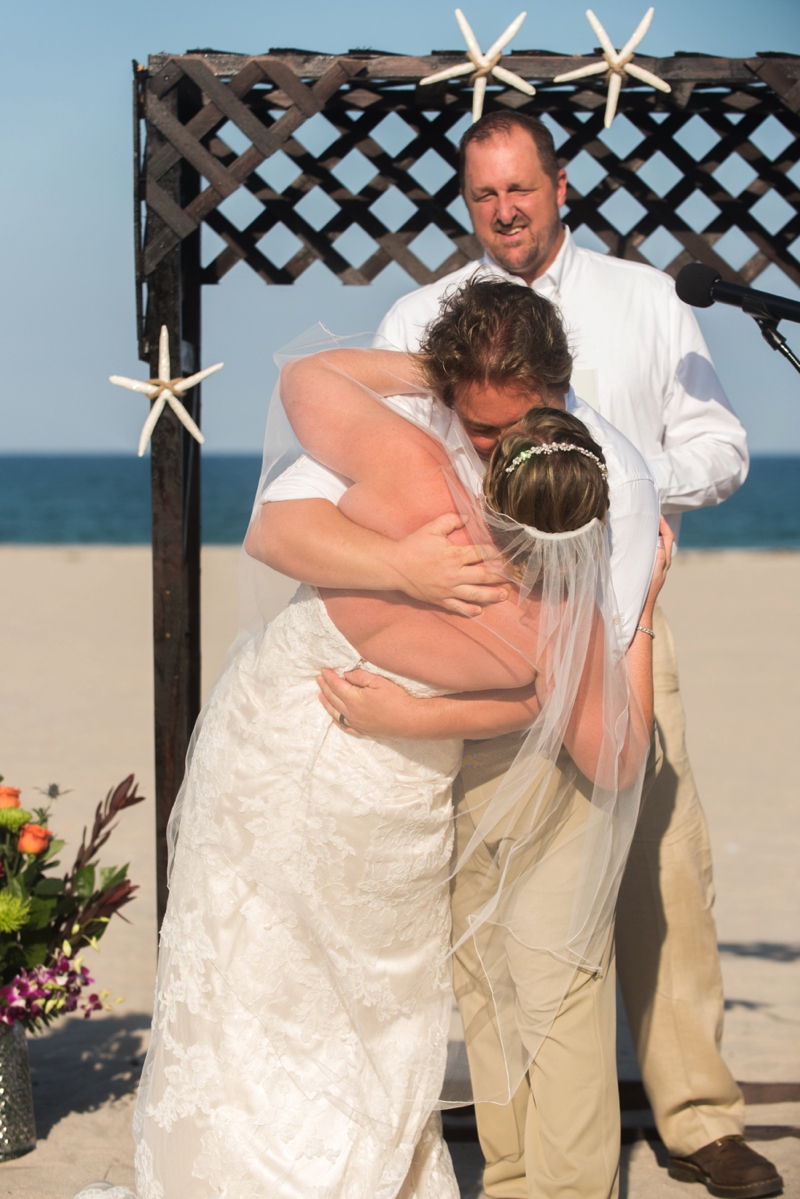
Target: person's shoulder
424	302
625	463
638	275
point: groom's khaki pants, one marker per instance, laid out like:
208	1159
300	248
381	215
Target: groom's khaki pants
559	1137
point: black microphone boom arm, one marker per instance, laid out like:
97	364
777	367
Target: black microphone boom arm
701	286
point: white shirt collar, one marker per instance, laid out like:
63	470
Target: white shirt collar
548	284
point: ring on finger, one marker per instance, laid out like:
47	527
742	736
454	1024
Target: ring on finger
342	720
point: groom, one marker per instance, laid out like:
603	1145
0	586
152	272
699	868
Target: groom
309	538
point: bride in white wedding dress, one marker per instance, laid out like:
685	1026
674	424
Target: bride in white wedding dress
298	1053
303	994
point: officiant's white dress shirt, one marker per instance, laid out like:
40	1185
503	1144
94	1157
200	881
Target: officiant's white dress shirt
640	360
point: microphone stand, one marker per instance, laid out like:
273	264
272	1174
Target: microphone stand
769	330
776	340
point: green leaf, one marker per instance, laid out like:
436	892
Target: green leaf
53	848
41	911
17	887
49	886
31	874
84	882
111	875
35	953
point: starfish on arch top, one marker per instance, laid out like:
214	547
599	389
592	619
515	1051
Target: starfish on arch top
616	64
481	65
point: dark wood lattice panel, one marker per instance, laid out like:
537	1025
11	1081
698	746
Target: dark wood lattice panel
710	172
217	127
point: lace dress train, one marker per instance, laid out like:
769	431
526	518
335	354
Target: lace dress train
302	1002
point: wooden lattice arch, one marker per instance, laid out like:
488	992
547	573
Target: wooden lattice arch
270	98
187	167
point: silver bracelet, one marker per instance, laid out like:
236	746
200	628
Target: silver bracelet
641	629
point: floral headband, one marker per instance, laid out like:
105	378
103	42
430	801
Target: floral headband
551	448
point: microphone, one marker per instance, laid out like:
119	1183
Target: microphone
701	286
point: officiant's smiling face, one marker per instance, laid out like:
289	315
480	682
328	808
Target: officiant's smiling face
513	203
488	410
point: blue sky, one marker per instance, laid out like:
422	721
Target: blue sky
67	297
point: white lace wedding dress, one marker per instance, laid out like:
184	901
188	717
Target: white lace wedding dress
302	1001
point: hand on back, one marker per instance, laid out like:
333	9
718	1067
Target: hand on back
666	541
458	578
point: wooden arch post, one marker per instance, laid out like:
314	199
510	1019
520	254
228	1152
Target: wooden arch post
747	111
174	300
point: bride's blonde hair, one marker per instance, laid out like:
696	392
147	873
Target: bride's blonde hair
556	490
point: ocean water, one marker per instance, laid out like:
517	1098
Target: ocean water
105	499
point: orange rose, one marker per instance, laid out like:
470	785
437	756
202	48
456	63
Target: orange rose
9	797
33	838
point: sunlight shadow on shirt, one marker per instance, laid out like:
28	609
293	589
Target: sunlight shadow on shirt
698	377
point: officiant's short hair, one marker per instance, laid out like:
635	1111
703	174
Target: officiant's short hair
492	331
501	124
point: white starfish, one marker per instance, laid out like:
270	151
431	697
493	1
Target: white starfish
616	64
480	65
165	390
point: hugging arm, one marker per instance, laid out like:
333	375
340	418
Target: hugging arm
330	400
373	706
585	733
335	418
312	541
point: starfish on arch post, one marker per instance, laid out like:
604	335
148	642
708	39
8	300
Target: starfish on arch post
616	64
481	65
165	390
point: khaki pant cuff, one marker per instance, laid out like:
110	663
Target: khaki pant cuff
687	1143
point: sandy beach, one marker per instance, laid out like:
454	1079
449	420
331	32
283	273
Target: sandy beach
75	627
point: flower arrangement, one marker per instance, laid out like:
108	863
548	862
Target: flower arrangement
46	919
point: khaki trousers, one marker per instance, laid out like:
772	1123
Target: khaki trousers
559	1136
667	957
562	1126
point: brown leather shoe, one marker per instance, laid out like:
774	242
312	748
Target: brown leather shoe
730	1169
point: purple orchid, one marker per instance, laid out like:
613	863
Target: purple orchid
39	995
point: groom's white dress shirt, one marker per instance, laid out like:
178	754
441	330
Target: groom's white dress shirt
640	360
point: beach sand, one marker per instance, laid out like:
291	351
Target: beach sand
75	708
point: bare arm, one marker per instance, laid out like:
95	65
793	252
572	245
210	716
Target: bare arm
584	737
330	400
313	541
374	706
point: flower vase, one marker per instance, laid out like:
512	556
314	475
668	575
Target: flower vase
17	1125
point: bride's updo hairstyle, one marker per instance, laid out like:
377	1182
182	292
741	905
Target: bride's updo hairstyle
549	489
